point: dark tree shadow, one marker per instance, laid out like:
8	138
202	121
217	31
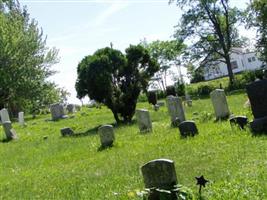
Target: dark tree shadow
89	132
102	148
5	140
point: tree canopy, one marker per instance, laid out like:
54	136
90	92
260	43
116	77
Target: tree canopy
211	27
116	79
25	61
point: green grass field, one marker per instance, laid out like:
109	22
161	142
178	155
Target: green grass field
234	161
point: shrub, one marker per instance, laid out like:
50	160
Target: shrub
152	97
170	90
180	88
205	90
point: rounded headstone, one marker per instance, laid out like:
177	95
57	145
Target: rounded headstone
143	120
175	108
188	128
106	135
66	131
220	104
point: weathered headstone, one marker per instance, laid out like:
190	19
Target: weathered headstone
9	131
257	94
189	103
70	108
241	121
57	111
4	115
143	120
159	174
219	103
21	118
188	128
66	131
175	108
107	135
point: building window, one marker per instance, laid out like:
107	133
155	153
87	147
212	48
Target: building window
249	60
234	65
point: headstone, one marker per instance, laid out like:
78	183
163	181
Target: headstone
143	120
175	108
21	118
4	115
107	136
66	131
257	94
9	131
78	107
160	174
188	128
219	103
161	103
57	111
241	121
70	108
189	103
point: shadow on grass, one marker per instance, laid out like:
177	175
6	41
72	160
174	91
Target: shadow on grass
89	132
5	140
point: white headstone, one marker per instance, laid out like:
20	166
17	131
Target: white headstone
9	131
21	118
143	120
175	108
219	103
57	111
4	115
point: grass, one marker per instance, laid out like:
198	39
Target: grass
234	161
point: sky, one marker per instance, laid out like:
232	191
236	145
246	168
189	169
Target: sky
79	27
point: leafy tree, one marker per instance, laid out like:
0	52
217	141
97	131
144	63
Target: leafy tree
166	53
257	17
195	75
211	25
115	79
24	58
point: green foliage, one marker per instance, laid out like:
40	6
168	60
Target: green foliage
212	25
115	79
170	90
180	88
24	59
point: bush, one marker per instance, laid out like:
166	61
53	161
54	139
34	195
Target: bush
180	88
152	97
205	90
170	90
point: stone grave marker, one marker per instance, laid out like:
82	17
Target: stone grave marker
175	108
21	118
241	121
161	103
220	104
57	111
107	136
70	108
4	115
257	94
188	128
143	120
66	131
9	131
159	174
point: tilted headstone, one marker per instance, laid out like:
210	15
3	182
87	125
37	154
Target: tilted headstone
160	174
143	120
220	104
4	115
21	118
107	135
241	121
9	131
188	128
66	131
57	111
70	108
257	94
175	108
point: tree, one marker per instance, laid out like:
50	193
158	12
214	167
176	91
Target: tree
211	24
257	17
166	53
24	59
115	79
195	75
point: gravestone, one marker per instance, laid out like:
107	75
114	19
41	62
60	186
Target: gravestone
143	120
175	108
159	174
107	136
70	108
66	132
188	128
21	118
57	111
189	103
4	115
9	131
241	121
257	94
161	103
219	103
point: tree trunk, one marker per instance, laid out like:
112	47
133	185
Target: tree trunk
229	68
115	114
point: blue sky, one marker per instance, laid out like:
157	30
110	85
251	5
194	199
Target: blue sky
78	28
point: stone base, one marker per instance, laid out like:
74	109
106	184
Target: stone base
259	125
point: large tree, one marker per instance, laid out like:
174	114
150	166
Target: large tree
25	61
211	27
167	53
257	17
115	79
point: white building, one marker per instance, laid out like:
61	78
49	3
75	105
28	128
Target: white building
240	61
